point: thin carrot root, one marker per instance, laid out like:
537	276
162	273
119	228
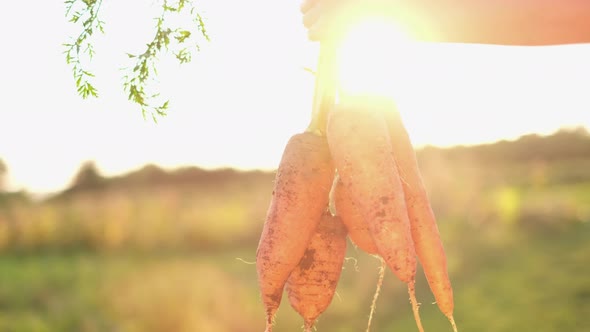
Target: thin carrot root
452	320
415	305
269	321
377	292
268	327
308	326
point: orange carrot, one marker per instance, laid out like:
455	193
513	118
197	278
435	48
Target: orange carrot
311	286
358	229
425	232
300	196
360	147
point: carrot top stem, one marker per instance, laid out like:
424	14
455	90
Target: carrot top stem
325	91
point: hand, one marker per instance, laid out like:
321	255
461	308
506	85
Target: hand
317	14
325	19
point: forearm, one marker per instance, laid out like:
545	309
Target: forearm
507	22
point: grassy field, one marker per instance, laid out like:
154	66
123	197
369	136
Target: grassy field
537	283
129	255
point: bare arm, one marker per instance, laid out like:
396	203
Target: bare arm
505	22
509	22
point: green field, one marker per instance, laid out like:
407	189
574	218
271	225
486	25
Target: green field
531	284
155	251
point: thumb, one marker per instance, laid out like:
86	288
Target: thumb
307	4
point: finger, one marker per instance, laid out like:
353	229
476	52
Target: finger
312	16
307	4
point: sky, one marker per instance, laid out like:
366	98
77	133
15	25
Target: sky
246	92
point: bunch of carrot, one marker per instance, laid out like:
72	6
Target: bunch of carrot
378	195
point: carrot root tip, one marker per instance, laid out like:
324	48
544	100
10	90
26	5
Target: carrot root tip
308	325
415	305
452	320
377	292
269	322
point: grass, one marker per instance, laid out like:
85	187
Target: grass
538	283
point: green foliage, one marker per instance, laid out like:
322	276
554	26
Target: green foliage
180	41
145	69
80	49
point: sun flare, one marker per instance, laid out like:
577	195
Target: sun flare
373	58
377	58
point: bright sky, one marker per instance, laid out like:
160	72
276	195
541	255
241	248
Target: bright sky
246	93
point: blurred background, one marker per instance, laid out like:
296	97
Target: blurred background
173	250
112	223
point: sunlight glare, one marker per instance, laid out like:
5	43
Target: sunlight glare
373	58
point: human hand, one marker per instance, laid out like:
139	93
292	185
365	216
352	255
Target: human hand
326	19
